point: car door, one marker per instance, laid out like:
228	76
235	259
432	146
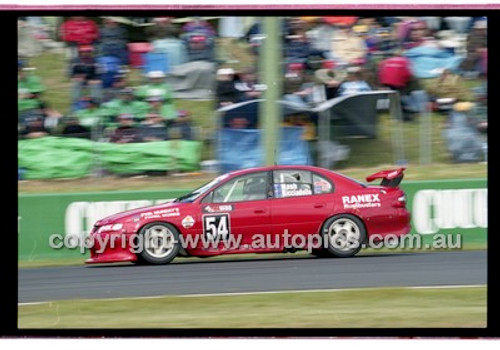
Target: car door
302	201
238	210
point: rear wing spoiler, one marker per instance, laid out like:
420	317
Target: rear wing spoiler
390	178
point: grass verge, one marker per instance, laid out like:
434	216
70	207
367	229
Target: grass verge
359	308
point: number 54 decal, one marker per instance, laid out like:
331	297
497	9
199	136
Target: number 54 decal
216	227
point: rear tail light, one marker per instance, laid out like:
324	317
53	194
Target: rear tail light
400	202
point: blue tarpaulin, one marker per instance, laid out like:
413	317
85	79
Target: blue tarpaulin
241	148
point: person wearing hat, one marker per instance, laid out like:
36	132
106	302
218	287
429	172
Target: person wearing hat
29	88
84	73
156	86
225	89
125	103
126	132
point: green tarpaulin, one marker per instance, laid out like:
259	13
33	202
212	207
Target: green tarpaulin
58	157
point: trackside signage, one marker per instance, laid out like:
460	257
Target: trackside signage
447	206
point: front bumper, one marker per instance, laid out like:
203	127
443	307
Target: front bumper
110	247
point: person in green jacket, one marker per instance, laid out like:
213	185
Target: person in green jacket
91	115
29	88
158	105
156	86
125	103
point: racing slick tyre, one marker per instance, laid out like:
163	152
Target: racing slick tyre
345	235
160	243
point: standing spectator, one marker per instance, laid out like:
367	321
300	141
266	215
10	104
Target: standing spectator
226	92
162	28
346	47
113	40
200	47
126	132
78	31
198	25
84	72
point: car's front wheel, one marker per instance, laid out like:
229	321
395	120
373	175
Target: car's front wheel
159	242
345	235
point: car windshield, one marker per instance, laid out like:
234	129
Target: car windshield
190	197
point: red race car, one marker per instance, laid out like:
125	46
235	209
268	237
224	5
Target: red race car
259	210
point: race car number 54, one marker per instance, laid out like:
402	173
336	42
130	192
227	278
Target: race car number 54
216	227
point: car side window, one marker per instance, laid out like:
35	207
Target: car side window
321	185
292	183
243	188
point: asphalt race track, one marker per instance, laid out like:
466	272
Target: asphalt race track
205	276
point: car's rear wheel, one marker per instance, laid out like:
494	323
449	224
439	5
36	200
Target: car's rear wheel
160	243
345	235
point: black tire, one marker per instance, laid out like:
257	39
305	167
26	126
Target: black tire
160	243
345	234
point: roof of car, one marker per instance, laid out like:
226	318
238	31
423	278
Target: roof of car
277	167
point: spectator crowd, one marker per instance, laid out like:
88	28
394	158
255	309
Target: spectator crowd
323	58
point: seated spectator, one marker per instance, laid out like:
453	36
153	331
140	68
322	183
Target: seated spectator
126	103
476	46
297	48
91	115
158	105
248	85
156	86
113	40
200	47
329	78
199	25
225	90
84	72
34	128
29	88
126	132
395	72
413	33
449	85
78	31
354	83
71	127
181	128
298	86
153	128
347	47
172	46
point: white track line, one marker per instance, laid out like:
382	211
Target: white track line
269	292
